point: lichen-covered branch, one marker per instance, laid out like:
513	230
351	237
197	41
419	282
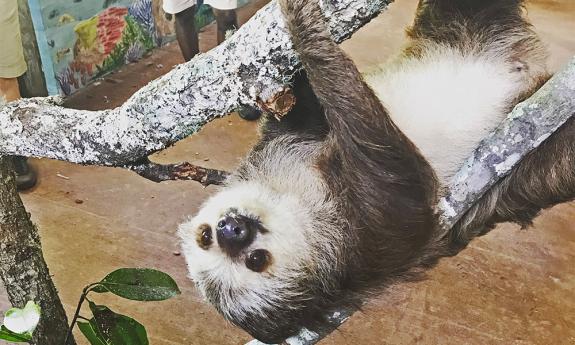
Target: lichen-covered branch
254	64
253	67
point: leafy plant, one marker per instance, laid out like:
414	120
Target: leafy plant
19	324
107	327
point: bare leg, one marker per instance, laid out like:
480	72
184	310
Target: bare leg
9	90
25	176
226	20
186	33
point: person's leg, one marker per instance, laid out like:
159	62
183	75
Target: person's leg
9	90
25	176
186	32
12	65
226	20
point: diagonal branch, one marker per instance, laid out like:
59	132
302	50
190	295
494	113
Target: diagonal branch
254	64
524	129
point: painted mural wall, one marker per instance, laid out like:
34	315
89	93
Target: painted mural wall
86	39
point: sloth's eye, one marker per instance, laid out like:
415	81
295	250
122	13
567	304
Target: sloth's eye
204	238
258	260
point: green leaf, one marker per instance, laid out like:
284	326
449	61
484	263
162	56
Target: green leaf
117	329
91	333
6	334
139	284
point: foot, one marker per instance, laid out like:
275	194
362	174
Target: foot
249	113
25	175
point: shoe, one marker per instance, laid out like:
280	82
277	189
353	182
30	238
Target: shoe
249	113
25	176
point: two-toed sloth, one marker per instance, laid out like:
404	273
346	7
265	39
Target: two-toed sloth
337	199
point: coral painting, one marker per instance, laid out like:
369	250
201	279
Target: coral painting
87	39
103	42
90	38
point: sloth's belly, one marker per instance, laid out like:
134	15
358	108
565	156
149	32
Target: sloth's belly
446	103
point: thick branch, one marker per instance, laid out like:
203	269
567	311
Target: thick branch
254	64
22	266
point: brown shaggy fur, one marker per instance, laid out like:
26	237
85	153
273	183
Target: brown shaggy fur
385	190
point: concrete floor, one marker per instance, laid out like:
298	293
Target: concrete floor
509	287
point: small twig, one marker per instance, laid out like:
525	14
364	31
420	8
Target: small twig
62	176
181	171
85	292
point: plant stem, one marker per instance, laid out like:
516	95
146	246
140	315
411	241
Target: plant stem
77	313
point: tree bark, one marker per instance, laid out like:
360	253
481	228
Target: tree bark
181	171
22	266
253	66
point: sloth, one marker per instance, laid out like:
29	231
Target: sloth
337	200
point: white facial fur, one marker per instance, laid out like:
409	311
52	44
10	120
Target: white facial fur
290	200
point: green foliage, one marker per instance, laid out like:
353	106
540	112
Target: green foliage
19	324
139	284
89	330
133	33
107	327
116	329
6	334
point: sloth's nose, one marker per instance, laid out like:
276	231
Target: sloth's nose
234	233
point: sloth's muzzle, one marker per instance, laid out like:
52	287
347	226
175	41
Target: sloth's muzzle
234	233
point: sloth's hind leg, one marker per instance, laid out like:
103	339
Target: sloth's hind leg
544	178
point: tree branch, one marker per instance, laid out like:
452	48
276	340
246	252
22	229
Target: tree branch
524	129
181	171
22	266
254	65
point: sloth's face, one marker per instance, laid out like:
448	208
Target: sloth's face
262	258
